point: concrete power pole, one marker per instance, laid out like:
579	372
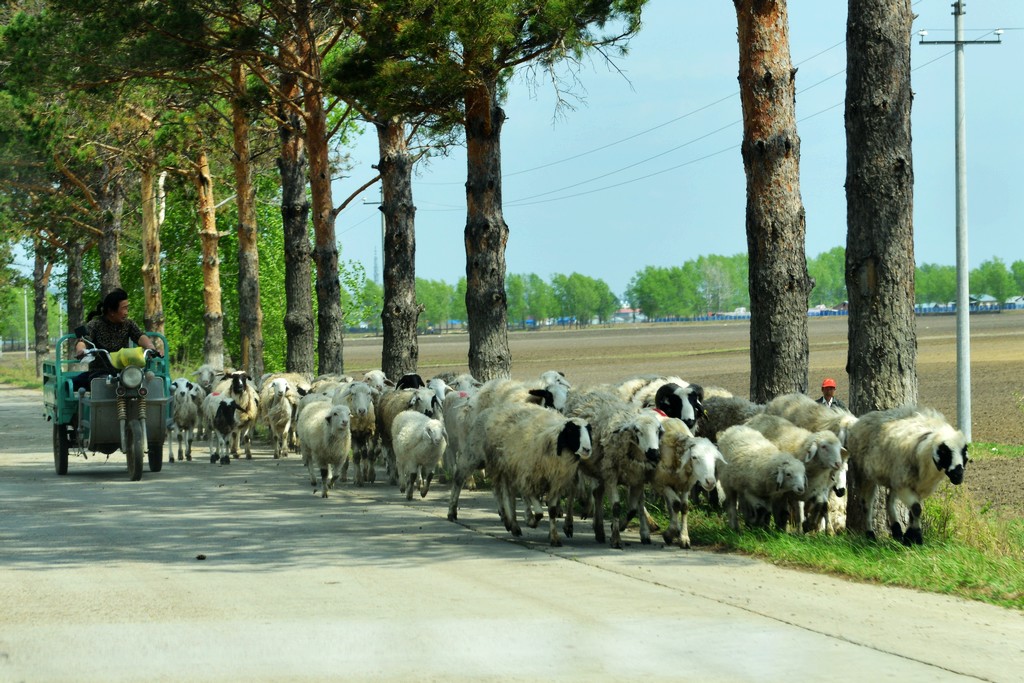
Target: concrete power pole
963	269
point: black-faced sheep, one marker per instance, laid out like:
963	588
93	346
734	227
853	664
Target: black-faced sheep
672	395
186	410
823	456
224	416
755	473
359	397
419	442
421	400
238	387
626	441
910	451
324	440
687	462
533	452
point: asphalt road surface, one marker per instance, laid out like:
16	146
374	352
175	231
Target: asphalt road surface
238	573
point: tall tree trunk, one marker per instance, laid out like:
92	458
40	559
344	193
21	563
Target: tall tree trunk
112	207
298	318
486	236
213	317
154	312
41	308
882	353
250	314
776	225
74	290
330	323
400	313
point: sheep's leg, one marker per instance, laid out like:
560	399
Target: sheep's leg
599	512
671	535
458	479
616	521
323	481
425	487
732	504
408	484
246	437
357	464
570	501
534	511
344	468
553	521
868	502
189	435
645	527
170	446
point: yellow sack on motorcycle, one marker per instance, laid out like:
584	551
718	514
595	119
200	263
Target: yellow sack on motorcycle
136	356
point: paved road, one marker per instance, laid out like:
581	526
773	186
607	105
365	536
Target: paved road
101	580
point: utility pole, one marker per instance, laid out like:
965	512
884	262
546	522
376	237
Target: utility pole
380	207
963	296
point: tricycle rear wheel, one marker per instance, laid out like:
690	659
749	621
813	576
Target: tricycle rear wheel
134	452
60	448
156	456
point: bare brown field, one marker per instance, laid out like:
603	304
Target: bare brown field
718	354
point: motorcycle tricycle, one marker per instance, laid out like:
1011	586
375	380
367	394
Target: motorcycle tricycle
125	406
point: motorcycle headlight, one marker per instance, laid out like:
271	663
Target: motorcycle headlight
131	377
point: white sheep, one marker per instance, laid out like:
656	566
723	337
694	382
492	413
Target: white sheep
238	387
530	451
359	397
804	411
299	384
910	451
687	462
463	461
418	442
280	402
324	441
755	473
390	405
823	456
206	376
626	441
186	405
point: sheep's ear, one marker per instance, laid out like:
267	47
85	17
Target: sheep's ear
542	397
302	391
779	478
720	458
811	452
843	453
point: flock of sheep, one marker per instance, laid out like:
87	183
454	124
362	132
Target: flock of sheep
565	450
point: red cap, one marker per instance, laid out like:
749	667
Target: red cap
829	382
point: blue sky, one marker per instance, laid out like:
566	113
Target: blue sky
646	170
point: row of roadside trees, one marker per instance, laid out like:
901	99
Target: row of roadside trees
707	284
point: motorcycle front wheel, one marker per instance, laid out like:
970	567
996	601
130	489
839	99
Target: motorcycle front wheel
135	450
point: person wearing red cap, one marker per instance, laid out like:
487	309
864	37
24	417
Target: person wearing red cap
828	395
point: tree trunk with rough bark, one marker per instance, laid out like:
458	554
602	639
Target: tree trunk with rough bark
213	316
75	306
153	318
250	313
775	221
400	313
112	207
330	322
486	236
40	312
882	352
298	318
